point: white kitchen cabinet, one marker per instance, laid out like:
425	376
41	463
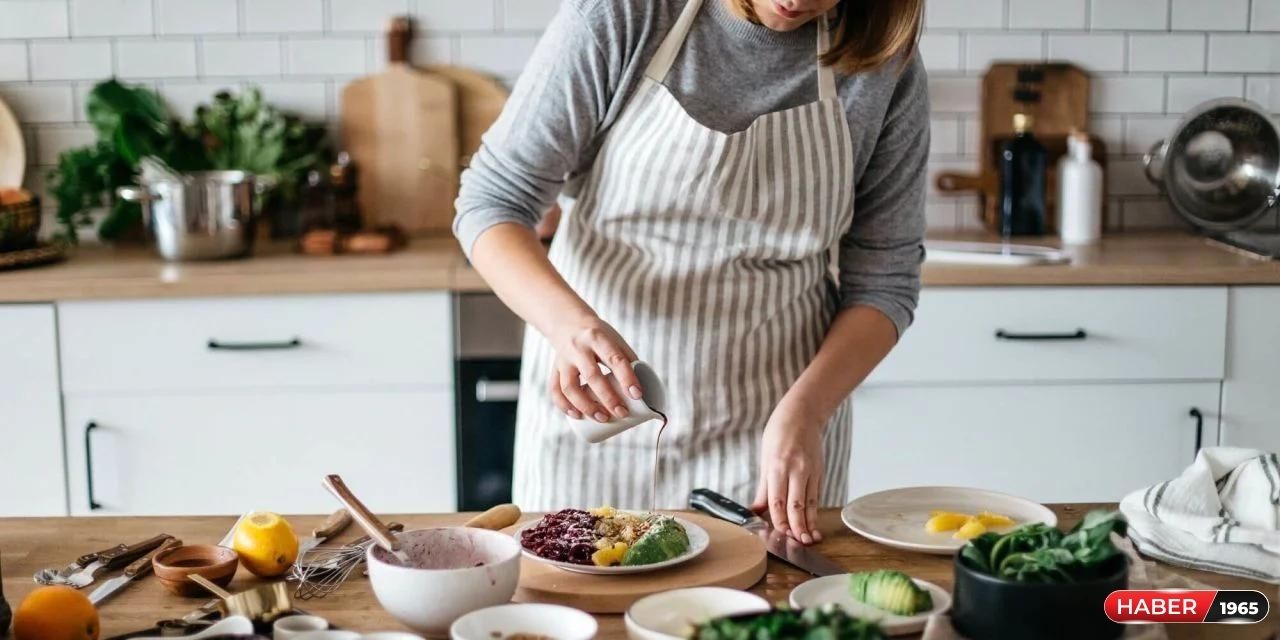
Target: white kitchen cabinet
1068	334
229	453
32	482
1050	443
372	341
1251	391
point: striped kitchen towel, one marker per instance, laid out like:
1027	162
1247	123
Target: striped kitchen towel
1222	515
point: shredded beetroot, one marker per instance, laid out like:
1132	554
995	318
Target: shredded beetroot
564	536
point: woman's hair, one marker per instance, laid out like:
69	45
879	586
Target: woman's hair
865	34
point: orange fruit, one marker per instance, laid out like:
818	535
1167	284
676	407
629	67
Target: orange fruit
266	544
55	613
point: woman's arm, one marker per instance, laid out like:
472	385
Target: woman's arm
880	259
553	117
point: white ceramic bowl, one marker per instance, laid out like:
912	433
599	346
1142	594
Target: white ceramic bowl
455	571
550	620
390	635
670	615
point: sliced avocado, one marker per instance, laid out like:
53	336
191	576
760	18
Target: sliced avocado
891	591
664	540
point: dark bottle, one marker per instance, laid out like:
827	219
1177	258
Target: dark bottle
6	615
1022	175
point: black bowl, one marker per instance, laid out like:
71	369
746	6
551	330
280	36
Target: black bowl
985	607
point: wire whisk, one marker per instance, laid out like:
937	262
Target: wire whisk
322	570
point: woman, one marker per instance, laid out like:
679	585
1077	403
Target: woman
709	155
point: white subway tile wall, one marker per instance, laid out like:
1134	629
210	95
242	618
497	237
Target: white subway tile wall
1151	59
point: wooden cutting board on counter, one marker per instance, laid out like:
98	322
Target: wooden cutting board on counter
401	129
480	102
736	558
13	155
1062	108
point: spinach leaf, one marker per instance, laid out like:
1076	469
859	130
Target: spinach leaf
1039	553
818	623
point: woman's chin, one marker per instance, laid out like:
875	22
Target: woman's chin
779	23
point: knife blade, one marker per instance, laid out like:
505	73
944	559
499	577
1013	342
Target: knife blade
136	569
335	524
777	543
114	558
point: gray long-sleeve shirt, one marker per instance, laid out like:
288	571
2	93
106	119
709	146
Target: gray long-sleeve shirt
730	71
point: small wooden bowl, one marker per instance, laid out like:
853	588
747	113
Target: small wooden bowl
216	564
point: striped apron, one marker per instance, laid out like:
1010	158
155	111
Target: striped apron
709	253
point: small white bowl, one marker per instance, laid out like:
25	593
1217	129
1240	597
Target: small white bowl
455	571
328	634
390	635
290	627
670	615
550	620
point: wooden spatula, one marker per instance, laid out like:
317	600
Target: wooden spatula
401	128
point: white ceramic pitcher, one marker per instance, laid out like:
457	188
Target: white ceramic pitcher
639	411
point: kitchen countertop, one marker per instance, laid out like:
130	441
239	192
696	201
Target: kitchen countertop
31	544
435	263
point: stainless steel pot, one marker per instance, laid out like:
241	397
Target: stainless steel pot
201	215
1221	167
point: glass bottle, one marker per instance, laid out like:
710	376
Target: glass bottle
1022	181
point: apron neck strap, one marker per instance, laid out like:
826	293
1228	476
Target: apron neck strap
826	76
662	60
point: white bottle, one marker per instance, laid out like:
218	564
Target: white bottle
1079	193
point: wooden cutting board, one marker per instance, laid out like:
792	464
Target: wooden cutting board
735	558
1063	106
401	129
480	102
13	155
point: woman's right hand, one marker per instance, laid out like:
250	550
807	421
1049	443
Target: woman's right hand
580	348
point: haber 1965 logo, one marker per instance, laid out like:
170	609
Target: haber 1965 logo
1183	605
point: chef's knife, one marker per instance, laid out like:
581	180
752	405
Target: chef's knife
778	544
333	525
114	558
137	569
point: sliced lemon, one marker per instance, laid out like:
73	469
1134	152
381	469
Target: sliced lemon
945	521
972	528
989	520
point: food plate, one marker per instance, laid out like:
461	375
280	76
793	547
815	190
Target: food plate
896	517
835	590
699	540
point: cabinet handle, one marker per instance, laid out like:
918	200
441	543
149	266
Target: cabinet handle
1078	334
497	390
1195	413
254	346
94	505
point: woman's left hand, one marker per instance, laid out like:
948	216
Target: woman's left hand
791	469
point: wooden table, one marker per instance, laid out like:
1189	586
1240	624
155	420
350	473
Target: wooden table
30	544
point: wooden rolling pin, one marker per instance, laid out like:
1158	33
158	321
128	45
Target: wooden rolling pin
496	518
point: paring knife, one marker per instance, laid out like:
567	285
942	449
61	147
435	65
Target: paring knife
778	544
137	569
336	523
114	558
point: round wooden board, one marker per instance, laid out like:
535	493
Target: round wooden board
736	558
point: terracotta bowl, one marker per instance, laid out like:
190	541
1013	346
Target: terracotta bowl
214	563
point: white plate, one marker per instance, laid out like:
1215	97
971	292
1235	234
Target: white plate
546	620
671	615
698	542
896	517
835	590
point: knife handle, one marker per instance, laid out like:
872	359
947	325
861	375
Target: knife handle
712	503
333	525
142	565
88	558
125	555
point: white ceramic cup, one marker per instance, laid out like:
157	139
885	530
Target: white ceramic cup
291	627
639	411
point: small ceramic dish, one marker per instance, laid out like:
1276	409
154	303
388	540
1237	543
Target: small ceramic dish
699	540
545	620
835	590
456	570
213	563
670	615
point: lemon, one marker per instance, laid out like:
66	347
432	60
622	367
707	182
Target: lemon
989	519
944	521
972	528
266	544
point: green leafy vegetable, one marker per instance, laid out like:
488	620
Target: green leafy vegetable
233	132
1039	553
825	623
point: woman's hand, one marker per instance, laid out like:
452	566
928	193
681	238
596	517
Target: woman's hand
580	347
791	470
